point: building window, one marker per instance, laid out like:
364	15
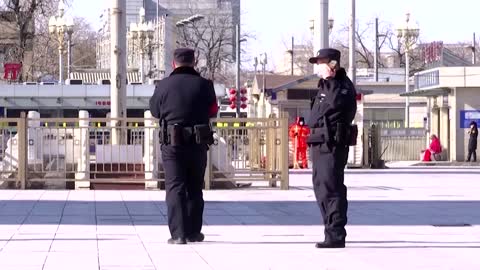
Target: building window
384	117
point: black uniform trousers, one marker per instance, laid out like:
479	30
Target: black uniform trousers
472	152
330	191
184	177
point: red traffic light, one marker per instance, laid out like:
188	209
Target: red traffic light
232	91
233	98
233	106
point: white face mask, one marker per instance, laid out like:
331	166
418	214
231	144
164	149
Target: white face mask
325	71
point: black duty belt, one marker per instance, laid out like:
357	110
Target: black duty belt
176	135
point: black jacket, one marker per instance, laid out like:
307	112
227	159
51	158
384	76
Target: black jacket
472	142
335	101
184	98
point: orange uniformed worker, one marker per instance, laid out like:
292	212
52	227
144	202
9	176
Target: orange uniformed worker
299	133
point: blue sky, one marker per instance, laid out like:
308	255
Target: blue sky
273	22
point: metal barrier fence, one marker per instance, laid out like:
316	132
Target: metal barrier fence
89	150
402	144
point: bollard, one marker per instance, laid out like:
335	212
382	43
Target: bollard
149	158
83	162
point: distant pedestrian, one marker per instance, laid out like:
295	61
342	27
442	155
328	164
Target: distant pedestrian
472	142
434	150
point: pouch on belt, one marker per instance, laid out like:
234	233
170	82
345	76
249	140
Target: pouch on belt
203	134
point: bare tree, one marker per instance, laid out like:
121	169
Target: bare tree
25	15
417	62
213	39
365	41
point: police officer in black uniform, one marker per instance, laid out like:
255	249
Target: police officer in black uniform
332	132
184	102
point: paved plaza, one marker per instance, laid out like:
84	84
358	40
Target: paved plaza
402	220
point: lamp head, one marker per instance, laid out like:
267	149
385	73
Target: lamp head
70	24
52	25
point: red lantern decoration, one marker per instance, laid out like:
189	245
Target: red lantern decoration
233	98
243	98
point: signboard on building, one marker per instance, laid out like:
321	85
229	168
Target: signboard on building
467	116
432	52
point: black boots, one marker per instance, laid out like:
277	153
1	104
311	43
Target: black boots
199	237
177	241
338	244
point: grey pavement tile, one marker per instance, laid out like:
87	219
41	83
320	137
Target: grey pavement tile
110	246
76	235
151	267
12	220
215	212
149	220
23	245
222	220
297	220
42	220
17	259
78	220
77	229
125	259
116	229
161	247
3	242
111	211
114	220
79	209
17	208
180	261
19	236
33	228
48	208
10	267
255	220
70	245
71	260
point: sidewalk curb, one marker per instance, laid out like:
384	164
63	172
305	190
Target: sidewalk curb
401	171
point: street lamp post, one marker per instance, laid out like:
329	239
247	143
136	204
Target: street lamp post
263	62
143	33
70	30
58	27
408	36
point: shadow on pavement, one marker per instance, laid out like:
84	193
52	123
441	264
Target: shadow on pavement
253	213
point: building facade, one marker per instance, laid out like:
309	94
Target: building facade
158	61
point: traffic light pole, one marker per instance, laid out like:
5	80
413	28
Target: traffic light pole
238	101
